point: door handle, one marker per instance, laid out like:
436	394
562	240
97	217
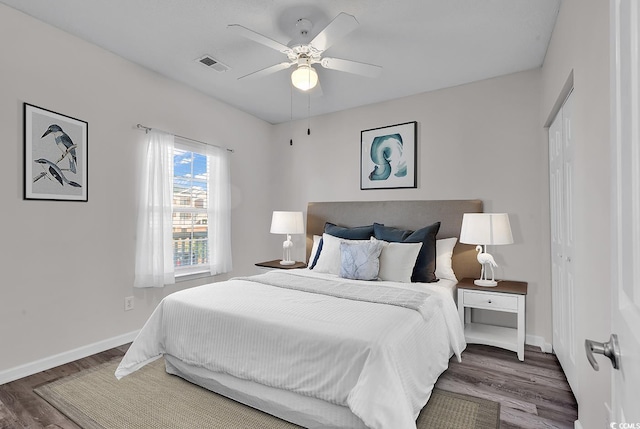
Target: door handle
610	349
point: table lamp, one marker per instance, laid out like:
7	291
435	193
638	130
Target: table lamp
287	223
484	229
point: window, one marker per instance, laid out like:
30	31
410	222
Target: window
184	214
189	210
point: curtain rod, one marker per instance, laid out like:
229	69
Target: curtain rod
147	129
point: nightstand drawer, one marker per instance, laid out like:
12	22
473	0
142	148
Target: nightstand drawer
490	300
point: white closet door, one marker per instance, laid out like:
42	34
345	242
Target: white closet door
562	240
625	298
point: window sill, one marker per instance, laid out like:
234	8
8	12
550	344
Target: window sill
192	274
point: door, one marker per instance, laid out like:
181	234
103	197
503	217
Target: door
562	240
625	90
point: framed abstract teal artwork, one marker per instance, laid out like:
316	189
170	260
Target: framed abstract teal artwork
388	157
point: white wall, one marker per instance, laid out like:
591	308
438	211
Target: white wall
67	266
580	43
481	140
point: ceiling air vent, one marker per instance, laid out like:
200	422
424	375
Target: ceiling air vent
211	62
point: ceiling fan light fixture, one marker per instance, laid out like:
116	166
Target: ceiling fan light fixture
304	77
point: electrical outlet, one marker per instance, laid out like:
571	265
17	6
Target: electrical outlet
128	303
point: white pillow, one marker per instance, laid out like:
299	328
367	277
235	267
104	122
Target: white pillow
314	249
444	252
397	261
329	260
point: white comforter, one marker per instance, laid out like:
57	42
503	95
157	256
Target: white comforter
379	360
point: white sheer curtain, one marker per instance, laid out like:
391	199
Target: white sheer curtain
219	210
154	247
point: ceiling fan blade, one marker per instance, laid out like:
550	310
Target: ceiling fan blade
349	66
341	25
257	37
268	70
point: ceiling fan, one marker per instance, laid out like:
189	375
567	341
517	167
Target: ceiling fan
304	55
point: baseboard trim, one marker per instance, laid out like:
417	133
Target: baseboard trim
577	424
40	365
535	340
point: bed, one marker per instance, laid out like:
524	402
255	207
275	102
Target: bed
314	348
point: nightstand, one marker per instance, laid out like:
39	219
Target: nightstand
275	264
508	296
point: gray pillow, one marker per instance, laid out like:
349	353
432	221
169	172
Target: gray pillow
360	261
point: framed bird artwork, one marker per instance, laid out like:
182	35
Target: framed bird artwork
55	156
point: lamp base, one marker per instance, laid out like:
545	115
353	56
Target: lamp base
485	283
287	262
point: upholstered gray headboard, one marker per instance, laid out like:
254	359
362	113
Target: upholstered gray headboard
402	214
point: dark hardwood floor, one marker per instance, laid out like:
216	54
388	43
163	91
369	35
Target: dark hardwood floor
532	394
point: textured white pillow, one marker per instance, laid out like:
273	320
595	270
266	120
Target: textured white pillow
329	260
360	261
314	249
397	261
444	252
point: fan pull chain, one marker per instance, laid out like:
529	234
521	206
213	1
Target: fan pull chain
291	116
308	114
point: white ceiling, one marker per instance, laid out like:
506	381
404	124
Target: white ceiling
422	45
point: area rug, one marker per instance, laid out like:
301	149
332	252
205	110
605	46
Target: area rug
150	399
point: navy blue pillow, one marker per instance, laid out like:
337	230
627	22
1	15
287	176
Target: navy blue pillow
317	255
354	233
424	270
389	233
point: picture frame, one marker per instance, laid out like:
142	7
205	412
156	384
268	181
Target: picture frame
55	156
388	157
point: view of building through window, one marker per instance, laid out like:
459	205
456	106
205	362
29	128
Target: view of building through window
190	202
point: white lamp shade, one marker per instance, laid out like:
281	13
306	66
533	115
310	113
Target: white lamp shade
287	223
486	228
304	77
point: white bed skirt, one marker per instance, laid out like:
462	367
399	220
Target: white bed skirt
305	411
